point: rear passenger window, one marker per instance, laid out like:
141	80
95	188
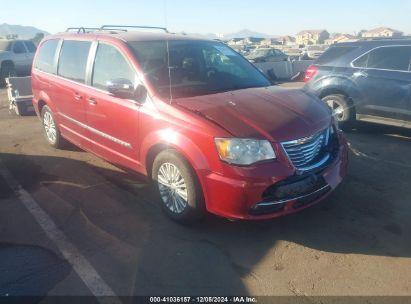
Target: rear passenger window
390	58
73	60
45	57
110	64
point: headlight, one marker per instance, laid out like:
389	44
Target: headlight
241	151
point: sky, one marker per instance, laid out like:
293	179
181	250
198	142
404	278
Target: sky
212	16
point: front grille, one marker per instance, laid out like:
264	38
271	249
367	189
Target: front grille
307	151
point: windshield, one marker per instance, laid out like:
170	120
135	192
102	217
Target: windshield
5	45
195	68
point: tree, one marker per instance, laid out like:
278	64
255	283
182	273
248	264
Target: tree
36	39
359	34
12	36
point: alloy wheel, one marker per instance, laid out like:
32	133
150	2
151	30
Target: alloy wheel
173	189
337	109
50	127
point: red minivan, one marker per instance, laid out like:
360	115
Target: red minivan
196	117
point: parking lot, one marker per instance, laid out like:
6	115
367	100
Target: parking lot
356	242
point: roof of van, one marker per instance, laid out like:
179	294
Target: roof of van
134	35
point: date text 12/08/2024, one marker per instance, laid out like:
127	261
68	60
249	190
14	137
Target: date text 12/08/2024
240	299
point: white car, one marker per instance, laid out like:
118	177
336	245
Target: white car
16	58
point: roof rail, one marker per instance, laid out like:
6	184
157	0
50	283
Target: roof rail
83	30
385	38
124	27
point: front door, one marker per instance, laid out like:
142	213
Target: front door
113	122
383	77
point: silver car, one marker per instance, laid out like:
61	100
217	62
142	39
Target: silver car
16	57
266	55
313	52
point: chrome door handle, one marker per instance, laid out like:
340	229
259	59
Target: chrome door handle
360	74
77	96
92	101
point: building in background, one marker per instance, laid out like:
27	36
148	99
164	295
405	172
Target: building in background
338	38
308	37
382	32
287	40
270	42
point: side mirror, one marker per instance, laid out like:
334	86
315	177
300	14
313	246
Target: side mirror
124	88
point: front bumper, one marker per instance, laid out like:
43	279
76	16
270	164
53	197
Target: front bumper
243	196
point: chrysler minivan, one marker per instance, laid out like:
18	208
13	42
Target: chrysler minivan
206	126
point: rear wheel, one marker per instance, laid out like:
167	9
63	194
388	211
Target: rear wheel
180	195
342	108
51	130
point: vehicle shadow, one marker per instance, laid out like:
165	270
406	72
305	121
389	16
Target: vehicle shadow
114	218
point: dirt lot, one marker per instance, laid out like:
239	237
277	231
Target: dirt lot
357	242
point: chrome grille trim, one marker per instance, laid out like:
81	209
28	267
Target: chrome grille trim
302	152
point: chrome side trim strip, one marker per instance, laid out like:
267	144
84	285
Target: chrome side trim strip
291	199
95	131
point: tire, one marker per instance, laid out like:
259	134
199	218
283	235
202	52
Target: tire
177	187
51	131
7	70
343	110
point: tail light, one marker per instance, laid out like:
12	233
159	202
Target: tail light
309	73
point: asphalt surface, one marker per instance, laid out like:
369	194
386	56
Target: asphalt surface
357	242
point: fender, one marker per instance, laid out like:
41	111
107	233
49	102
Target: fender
46	98
336	83
178	141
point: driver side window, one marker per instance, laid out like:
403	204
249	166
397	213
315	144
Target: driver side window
110	64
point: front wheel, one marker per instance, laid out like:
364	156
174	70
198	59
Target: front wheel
178	188
51	130
342	109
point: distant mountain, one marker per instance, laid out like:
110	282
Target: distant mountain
247	33
240	34
23	32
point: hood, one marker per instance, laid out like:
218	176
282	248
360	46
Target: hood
274	113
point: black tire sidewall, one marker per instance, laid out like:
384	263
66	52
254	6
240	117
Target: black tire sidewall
195	203
57	143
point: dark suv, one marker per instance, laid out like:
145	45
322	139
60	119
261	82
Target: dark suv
368	80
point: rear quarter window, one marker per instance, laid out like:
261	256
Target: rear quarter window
45	58
73	60
334	53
